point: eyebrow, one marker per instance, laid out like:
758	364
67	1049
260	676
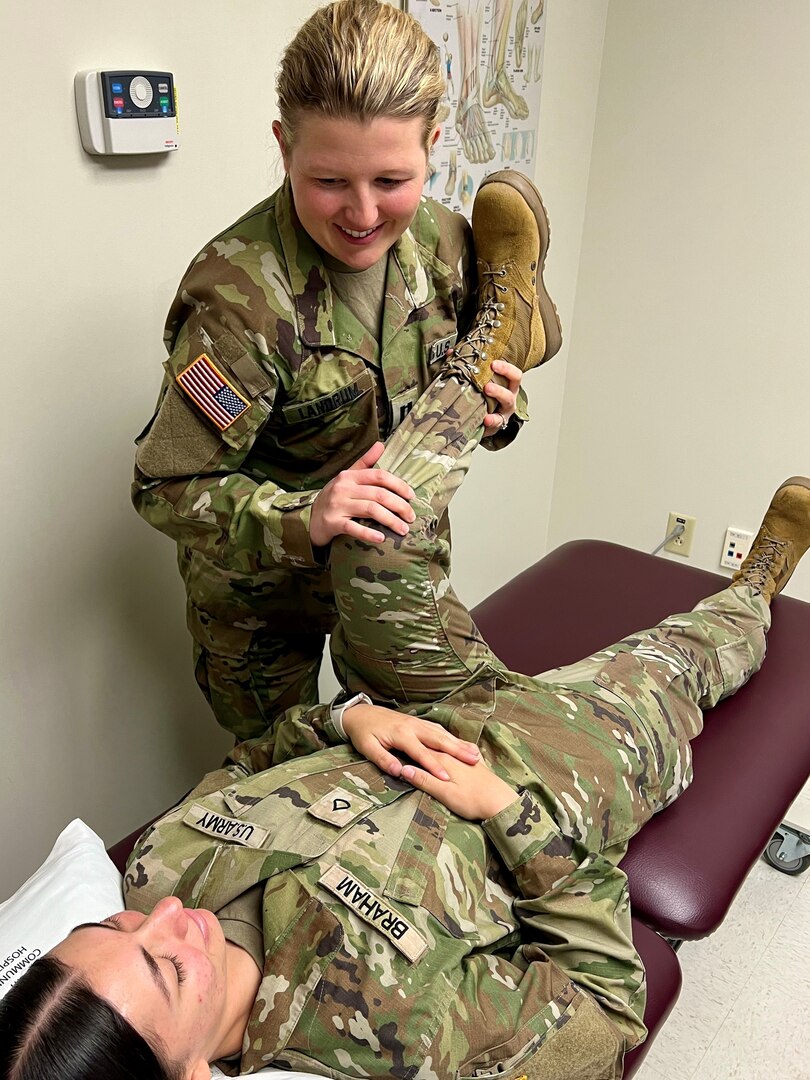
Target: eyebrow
151	963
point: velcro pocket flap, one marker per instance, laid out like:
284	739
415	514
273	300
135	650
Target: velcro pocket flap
296	412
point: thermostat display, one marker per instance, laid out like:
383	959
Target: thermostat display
127	112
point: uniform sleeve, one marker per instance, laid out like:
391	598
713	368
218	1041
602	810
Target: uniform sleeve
231	518
299	731
228	324
574	911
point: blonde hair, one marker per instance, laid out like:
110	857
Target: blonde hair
360	59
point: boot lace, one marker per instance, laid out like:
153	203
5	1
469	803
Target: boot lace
472	348
766	561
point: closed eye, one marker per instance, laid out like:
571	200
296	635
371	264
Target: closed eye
179	967
112	922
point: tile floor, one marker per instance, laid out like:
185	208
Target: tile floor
744	1010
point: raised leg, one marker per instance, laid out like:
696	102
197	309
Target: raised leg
403	635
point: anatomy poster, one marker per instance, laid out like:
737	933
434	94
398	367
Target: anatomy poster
492	61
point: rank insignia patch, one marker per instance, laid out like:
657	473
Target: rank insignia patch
340	807
211	392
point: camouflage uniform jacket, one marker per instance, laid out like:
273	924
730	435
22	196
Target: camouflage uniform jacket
401	940
306	391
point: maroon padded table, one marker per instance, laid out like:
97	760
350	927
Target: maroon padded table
752	758
663	986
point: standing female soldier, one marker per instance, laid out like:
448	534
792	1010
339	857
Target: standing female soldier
299	338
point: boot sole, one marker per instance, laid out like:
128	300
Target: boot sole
548	309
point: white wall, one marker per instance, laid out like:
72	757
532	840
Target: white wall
688	383
99	713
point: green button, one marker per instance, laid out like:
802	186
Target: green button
164	101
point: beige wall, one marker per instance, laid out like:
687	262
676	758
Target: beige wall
688	384
100	717
501	515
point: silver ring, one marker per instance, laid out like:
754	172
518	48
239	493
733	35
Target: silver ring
504	420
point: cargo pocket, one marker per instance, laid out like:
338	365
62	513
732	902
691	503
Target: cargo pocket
227	686
643	684
663	716
738	661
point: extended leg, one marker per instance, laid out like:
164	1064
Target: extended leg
609	736
605	742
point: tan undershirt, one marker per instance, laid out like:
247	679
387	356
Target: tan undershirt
241	922
362	291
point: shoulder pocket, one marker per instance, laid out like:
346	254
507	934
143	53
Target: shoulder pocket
216	400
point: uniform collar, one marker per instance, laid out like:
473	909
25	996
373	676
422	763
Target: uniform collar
198	887
323	320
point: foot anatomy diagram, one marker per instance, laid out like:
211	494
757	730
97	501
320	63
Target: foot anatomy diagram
491	53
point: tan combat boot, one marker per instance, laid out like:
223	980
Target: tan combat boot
783	538
516	319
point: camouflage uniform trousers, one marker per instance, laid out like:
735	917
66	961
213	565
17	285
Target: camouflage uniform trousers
603	743
255	655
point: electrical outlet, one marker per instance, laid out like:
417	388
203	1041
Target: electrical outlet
680	545
738	544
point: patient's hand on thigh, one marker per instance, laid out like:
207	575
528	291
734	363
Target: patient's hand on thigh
376	731
471	791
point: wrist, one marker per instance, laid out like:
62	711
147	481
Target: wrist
344	703
500	800
317	532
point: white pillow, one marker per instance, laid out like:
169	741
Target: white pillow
77	883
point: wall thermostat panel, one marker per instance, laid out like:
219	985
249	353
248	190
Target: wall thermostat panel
127	112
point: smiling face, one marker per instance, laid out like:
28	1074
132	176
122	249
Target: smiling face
166	973
356	184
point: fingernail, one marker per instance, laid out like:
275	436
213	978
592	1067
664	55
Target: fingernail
444	775
407	772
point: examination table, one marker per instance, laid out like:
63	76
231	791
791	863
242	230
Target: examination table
753	757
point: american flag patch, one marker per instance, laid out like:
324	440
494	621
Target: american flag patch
211	392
